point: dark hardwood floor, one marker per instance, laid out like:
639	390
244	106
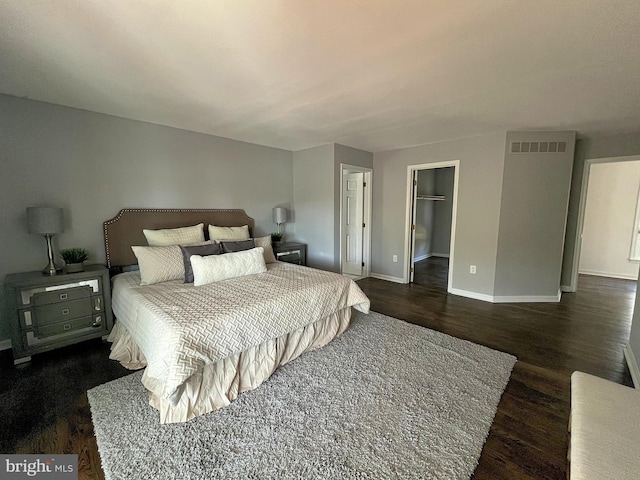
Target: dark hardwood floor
44	407
586	331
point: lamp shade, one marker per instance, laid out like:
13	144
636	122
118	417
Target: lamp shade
279	215
45	220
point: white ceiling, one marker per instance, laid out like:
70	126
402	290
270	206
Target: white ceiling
371	74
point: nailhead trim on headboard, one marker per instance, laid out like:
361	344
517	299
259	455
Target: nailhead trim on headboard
107	245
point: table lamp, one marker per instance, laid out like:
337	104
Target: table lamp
279	216
46	221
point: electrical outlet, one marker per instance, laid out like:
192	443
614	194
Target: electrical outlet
395	259
472	269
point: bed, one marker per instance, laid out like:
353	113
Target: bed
202	344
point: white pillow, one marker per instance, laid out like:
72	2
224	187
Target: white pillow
228	233
265	242
175	236
159	264
215	268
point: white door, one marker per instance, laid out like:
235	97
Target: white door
412	236
352	222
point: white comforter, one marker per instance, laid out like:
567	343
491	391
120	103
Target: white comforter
180	328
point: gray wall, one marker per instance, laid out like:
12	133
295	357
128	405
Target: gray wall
480	184
424	214
313	193
442	211
533	213
93	165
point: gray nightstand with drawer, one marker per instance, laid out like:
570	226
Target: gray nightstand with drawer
291	252
48	312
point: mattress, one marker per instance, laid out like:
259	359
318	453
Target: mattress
180	331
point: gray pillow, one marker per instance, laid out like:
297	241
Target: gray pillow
238	246
202	250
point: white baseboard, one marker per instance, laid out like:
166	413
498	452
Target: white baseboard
483	296
355	278
633	365
429	255
528	298
5	344
507	299
622	276
475	295
388	278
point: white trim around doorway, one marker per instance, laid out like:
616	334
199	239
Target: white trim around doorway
573	283
409	207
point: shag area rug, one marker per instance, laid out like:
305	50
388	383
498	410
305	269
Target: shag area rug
387	399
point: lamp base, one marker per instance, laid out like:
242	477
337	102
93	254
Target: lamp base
51	269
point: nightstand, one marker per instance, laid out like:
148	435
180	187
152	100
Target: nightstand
291	252
48	312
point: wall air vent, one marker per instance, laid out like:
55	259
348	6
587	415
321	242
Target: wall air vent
538	147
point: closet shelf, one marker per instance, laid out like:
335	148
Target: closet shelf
430	197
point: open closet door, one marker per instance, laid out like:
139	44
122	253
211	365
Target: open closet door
412	235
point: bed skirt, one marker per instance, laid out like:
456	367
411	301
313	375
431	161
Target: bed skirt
219	383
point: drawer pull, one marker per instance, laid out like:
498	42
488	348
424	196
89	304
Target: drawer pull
65	311
64	296
66	326
98	304
97	322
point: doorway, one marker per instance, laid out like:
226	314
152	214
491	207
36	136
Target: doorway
432	191
579	265
355	221
603	280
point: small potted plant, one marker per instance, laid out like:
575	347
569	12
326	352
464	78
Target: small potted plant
73	259
276	238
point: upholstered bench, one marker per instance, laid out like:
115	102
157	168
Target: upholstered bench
605	430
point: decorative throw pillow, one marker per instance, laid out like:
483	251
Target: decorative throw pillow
159	264
228	233
237	246
265	242
202	250
215	268
175	236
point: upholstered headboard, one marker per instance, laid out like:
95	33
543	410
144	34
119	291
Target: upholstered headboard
125	229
